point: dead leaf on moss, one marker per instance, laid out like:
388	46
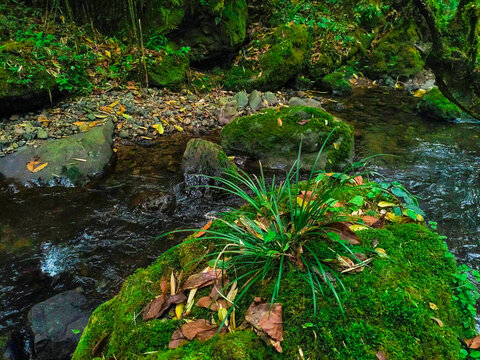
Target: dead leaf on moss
204	278
200	329
437	320
267	320
343	229
473	343
177	339
157	307
303	122
358	180
381	355
208	303
206	227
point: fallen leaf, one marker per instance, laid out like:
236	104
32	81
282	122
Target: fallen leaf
381	355
336	146
381	252
473	343
193	328
179	128
433	306
357	227
202	279
208	303
279	122
369	220
154	308
79	123
437	320
303	122
384	204
177	339
419	92
343	229
358	180
159	128
36	166
206	227
267	319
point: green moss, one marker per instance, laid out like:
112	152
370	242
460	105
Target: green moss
337	84
436	106
282	55
233	23
395	55
259	136
169	71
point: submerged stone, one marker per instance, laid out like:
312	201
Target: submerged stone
273	136
75	160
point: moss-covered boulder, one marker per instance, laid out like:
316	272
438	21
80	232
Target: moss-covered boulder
168	70
436	106
273	136
271	60
337	84
404	304
395	55
25	89
75	160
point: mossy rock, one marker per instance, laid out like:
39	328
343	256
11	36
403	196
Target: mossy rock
387	307
282	54
436	106
16	93
169	71
206	158
260	136
395	55
337	84
10	243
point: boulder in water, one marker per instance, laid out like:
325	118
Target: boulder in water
57	324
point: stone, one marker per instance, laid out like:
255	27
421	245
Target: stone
75	160
42	134
255	100
57	324
296	101
123	134
241	98
313	103
154	201
271	98
227	112
260	137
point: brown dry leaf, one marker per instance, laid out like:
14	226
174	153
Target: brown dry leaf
193	328
303	122
206	227
306	196
177	339
266	319
36	166
154	309
437	320
473	343
381	355
202	279
343	229
373	221
358	180
208	303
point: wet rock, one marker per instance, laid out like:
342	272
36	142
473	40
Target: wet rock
295	101
42	134
227	112
57	324
255	100
241	98
271	98
71	161
154	201
436	106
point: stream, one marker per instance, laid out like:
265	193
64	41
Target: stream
95	237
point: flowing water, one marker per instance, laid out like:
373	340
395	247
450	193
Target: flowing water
95	237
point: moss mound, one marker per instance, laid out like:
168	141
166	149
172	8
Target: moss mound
388	307
395	55
277	57
337	84
260	136
169	71
436	106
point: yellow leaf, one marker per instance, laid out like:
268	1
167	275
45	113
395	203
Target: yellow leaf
231	158
109	55
355	76
36	166
222	313
93	123
437	320
335	145
433	306
419	92
159	128
146	138
384	204
79	123
115	103
63	19
98	116
279	122
394	218
179	128
355	228
179	311
381	252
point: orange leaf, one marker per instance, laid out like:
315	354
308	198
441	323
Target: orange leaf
473	343
279	122
358	180
206	227
36	166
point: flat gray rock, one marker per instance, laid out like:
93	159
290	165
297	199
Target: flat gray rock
75	160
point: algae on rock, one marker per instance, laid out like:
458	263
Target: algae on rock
276	142
436	106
